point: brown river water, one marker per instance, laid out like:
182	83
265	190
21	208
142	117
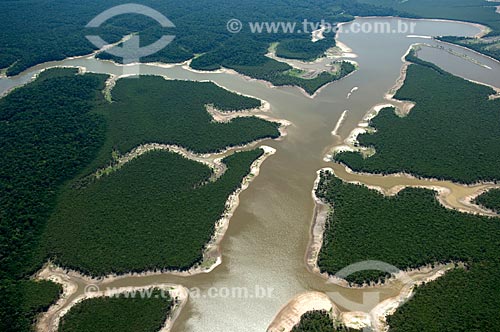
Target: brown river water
267	239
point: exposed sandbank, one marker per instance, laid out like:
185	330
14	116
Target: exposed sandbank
290	314
49	321
212	257
339	123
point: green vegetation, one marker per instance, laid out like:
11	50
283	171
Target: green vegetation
176	114
447	135
304	49
59	128
490	200
122	313
197	32
409	230
490	46
319	321
22	300
249	59
157	212
47	135
460	301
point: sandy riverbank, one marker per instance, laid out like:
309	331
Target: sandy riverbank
212	257
451	195
290	314
376	318
320	218
49	321
339	123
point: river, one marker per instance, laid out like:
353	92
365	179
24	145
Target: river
268	236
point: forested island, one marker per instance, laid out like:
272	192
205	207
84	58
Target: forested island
319	321
56	131
447	135
412	230
127	312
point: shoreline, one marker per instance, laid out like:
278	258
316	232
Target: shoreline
49	321
289	315
484	29
441	190
212	256
376	318
466	48
317	230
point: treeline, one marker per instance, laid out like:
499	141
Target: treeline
157	212
128	312
53	133
304	49
490	200
197	32
409	230
319	321
248	58
151	109
490	48
460	301
47	135
449	134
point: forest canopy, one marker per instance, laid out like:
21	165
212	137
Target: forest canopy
58	129
423	143
127	312
411	230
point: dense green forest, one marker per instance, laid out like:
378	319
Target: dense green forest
460	301
424	143
157	212
56	29
490	200
319	321
410	230
47	135
303	49
248	58
176	114
59	128
122	313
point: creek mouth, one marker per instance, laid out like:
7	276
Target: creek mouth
265	245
